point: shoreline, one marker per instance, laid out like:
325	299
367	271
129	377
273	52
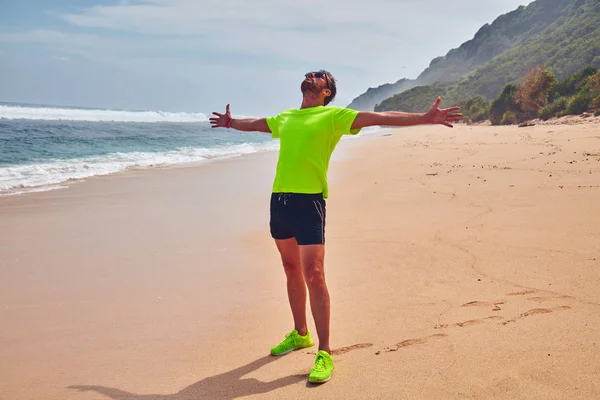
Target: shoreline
65	184
373	133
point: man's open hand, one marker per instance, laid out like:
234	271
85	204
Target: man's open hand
446	116
222	120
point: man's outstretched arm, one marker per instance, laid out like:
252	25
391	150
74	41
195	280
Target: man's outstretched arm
244	124
435	115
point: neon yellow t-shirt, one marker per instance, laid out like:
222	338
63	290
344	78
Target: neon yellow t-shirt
307	139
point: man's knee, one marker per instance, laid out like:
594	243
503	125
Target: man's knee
314	274
292	267
313	258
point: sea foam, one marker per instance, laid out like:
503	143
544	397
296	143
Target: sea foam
80	114
18	179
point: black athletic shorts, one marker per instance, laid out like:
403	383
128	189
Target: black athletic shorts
298	215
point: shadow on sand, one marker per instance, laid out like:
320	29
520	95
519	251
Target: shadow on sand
228	385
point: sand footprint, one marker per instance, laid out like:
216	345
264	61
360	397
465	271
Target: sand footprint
470	322
494	304
541	299
347	349
535	311
522	293
344	350
411	342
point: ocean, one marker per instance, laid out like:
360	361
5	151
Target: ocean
46	147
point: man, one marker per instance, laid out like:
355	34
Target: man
308	137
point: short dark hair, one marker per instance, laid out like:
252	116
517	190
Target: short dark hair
331	86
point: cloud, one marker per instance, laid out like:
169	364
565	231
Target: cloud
283	30
53	37
341	33
240	41
60	58
189	17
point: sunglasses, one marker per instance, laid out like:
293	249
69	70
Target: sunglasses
319	74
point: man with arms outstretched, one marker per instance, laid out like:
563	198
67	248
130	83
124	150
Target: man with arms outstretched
308	136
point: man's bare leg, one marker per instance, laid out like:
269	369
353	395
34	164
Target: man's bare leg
313	263
296	286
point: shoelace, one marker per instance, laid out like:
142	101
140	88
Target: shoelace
320	362
288	337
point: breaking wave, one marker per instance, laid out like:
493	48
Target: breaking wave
81	114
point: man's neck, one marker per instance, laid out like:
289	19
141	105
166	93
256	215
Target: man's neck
309	102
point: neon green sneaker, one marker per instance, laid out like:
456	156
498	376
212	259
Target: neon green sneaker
293	341
323	368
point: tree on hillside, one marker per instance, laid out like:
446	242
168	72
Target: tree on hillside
574	94
571	85
532	94
475	109
594	84
504	105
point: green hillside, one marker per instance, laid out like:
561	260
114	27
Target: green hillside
373	96
416	99
506	32
564	46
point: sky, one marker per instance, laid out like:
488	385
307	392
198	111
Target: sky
199	55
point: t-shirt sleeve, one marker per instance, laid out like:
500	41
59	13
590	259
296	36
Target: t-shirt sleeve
343	120
273	123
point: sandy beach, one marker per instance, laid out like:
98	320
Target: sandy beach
462	264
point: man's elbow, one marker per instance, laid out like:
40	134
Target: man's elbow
367	118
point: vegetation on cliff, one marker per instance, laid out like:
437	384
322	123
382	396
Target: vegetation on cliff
562	35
